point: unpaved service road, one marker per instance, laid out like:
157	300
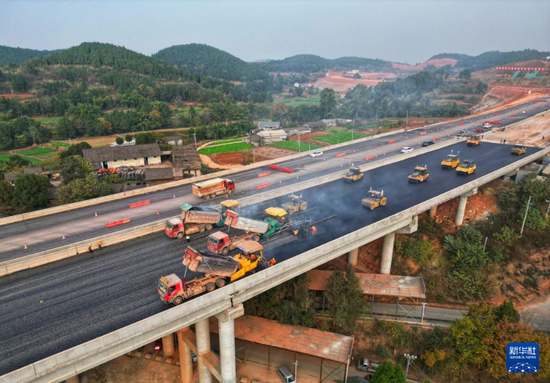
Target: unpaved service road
533	132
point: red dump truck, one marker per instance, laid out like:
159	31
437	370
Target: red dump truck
192	221
217	272
214	187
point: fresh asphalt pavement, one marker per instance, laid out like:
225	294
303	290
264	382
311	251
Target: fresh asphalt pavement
76	225
57	306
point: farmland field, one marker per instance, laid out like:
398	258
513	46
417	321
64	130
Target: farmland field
235	147
339	136
37	151
63	144
4	157
293	145
48	119
297	101
214	143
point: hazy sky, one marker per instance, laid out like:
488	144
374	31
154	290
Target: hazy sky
406	31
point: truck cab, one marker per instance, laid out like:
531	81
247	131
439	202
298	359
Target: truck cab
170	289
174	228
218	243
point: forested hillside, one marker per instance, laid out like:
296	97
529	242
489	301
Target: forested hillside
19	55
207	60
312	63
493	58
98	89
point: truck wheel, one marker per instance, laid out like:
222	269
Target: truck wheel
229	191
207	196
210	287
372	207
256	238
201	229
383	203
225	251
208	227
179	235
220	283
178	301
212	195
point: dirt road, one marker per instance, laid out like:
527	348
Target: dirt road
533	132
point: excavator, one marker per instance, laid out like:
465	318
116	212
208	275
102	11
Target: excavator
353	174
420	174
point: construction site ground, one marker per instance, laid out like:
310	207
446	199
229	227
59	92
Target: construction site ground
529	132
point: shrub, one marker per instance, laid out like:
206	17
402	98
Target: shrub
382	351
119	141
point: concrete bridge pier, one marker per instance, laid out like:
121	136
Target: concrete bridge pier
389	241
226	325
73	379
186	359
433	211
202	330
461	209
353	256
168	345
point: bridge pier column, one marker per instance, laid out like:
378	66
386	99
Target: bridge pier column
168	345
73	379
433	211
226	325
389	241
186	360
202	330
353	256
461	209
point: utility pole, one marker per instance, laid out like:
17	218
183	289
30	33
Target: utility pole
299	144
195	139
548	209
407	118
296	371
525	217
409	358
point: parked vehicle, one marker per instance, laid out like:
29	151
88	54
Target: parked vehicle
366	365
213	187
157	349
285	375
406	149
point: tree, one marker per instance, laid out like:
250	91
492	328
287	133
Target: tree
345	299
145	138
388	373
30	191
465	75
8	203
75	150
82	189
119	141
327	103
508	311
17	162
129	138
74	168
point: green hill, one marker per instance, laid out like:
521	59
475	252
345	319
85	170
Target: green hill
19	55
311	63
493	58
108	55
206	60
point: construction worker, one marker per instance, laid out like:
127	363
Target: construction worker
313	230
272	261
188	238
99	243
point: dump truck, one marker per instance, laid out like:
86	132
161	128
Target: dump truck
519	149
450	162
375	199
193	221
473	140
466	167
275	220
420	174
217	272
212	188
294	205
353	174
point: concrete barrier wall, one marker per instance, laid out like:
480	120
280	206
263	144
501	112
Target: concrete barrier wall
74	249
100	350
168	185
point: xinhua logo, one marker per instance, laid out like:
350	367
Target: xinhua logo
522	358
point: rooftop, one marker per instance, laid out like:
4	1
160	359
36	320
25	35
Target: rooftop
303	340
376	284
120	153
186	157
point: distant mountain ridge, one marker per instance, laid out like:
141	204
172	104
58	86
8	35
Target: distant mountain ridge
20	55
206	60
492	58
307	63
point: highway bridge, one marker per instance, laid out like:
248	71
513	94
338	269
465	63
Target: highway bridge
55	230
108	298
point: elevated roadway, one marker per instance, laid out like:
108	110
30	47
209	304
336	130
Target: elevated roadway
52	231
49	309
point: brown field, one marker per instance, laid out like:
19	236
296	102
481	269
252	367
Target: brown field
337	82
419	67
14	95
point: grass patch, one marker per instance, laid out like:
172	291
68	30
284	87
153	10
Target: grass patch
340	136
225	142
6	156
297	101
62	144
293	145
37	151
48	119
235	147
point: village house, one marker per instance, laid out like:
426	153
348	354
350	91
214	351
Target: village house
108	158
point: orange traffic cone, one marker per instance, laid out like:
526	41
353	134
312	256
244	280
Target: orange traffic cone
25	245
157	212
